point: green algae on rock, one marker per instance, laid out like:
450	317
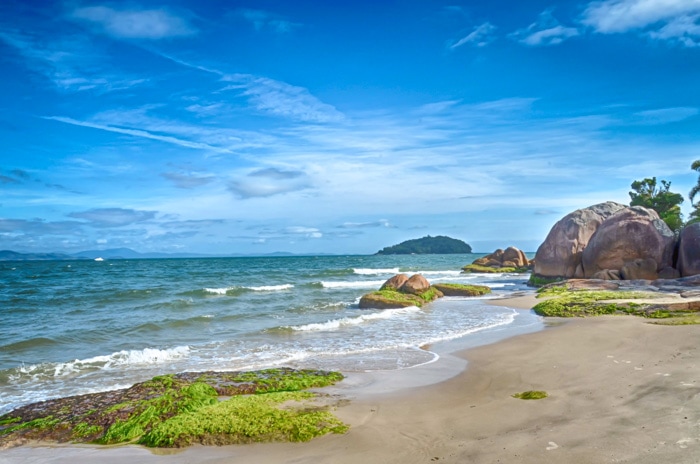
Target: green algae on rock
462	289
531	395
477	268
183	409
393	299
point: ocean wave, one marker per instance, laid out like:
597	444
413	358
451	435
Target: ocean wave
335	324
120	359
233	291
353	284
363	271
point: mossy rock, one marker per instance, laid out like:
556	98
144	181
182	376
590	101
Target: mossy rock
393	299
563	302
476	268
531	395
183	409
462	290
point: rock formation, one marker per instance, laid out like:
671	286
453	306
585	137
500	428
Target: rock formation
415	285
689	250
634	233
511	257
560	253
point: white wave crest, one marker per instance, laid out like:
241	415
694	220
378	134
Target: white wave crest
271	288
335	324
363	271
354	284
439	273
217	291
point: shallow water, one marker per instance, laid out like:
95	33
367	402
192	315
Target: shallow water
73	327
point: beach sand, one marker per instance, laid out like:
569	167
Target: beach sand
620	390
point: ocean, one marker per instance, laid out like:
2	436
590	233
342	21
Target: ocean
75	327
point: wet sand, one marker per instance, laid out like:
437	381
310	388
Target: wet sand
620	390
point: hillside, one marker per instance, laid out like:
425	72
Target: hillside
428	246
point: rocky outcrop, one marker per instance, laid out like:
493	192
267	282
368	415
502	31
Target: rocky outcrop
395	282
689	250
402	291
511	258
415	285
634	233
560	253
640	269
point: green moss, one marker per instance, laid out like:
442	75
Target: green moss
245	419
568	303
539	281
463	290
531	395
492	270
677	319
181	401
394	296
429	295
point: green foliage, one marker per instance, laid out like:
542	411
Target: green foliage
492	270
646	193
695	214
245	419
428	245
531	395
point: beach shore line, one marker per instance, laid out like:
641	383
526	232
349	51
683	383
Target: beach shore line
620	390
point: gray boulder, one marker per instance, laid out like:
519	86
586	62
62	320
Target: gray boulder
629	234
689	250
560	253
645	269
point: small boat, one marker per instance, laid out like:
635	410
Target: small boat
99	259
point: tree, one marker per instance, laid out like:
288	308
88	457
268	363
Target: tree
695	214
646	193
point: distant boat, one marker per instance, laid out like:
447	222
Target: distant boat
99	259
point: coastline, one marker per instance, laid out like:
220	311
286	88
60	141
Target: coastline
621	390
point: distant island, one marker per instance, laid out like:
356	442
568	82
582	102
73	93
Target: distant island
428	245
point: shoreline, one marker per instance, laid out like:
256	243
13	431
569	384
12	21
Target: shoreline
621	390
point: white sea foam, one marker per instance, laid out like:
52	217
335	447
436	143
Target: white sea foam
217	291
439	273
353	284
363	271
271	288
335	324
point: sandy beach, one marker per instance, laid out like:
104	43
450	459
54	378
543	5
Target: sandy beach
620	390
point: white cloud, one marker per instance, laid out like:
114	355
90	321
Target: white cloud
308	232
481	36
187	180
282	99
674	20
545	31
113	217
665	115
269	182
135	24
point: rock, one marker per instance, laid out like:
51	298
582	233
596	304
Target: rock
669	273
395	282
591	284
377	300
415	285
629	234
516	256
560	253
481	261
607	274
689	250
494	263
639	269
462	290
510	264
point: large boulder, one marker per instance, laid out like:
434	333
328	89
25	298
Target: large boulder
395	282
415	285
560	253
689	250
629	234
516	256
640	269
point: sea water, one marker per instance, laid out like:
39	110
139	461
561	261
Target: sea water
75	327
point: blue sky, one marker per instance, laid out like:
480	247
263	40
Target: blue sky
318	127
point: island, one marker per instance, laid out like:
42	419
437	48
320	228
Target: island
428	245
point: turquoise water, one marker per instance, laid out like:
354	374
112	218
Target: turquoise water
73	327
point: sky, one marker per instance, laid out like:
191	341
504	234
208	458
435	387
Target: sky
225	127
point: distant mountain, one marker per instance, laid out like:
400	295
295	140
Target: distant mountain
7	255
128	253
439	245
